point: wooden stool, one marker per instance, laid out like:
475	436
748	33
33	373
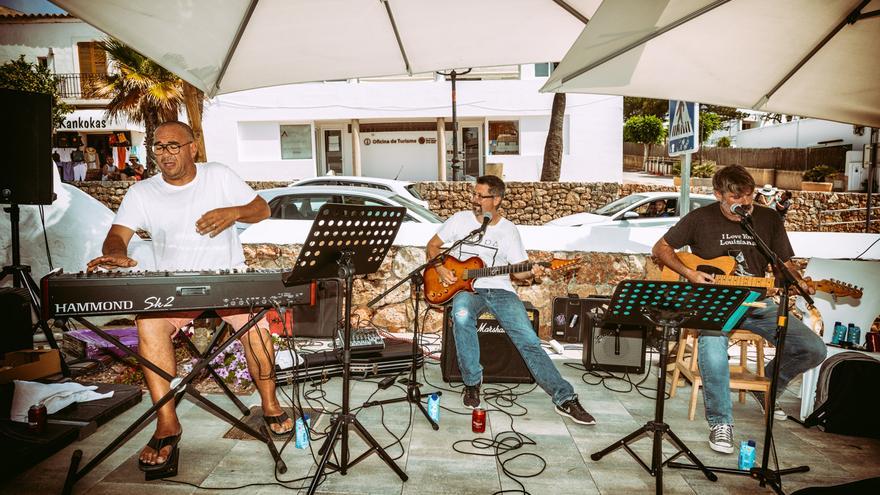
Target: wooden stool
740	377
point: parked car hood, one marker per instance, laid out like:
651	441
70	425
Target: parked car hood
579	219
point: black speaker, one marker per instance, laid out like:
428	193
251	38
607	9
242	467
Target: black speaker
321	319
500	360
15	306
611	347
26	167
568	318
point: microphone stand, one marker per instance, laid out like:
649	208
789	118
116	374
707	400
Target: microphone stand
416	281
764	474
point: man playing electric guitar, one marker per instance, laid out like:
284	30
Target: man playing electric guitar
712	231
499	245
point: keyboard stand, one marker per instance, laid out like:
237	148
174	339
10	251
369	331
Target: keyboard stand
179	387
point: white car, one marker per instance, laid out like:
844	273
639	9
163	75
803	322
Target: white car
303	202
402	188
635	210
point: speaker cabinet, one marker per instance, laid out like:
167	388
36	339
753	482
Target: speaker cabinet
15	306
568	319
611	347
500	360
26	167
321	319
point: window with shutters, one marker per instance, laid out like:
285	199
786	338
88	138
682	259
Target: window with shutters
92	67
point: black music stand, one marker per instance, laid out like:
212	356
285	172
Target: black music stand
671	305
347	240
416	281
179	387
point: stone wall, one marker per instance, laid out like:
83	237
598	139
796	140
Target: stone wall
535	203
598	273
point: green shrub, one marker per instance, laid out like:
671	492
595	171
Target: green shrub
723	142
702	170
819	173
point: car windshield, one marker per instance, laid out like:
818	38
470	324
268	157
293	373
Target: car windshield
417	208
414	190
615	207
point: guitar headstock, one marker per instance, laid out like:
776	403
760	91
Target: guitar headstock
838	289
560	264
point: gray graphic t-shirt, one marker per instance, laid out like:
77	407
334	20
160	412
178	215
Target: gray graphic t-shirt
710	234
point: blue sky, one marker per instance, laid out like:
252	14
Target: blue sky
32	6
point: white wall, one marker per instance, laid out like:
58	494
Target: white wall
594	125
60	34
800	133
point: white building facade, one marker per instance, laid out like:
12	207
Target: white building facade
384	127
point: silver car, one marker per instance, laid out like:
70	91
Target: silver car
402	188
636	210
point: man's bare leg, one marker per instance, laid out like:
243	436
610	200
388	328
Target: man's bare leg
154	336
260	355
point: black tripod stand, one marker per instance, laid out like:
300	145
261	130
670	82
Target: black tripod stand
764	474
416	281
346	240
21	277
669	305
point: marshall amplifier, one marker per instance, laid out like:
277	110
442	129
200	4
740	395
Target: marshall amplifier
500	360
611	347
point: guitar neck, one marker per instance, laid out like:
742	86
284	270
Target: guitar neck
491	271
764	282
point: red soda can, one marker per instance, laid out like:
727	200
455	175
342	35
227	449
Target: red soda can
478	420
37	418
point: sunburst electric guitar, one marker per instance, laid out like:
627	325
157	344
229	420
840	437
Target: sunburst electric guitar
723	266
467	271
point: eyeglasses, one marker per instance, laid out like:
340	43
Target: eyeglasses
171	148
483	196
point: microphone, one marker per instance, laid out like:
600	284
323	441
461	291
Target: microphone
741	211
487	217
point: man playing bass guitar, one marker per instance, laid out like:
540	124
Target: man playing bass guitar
499	245
712	231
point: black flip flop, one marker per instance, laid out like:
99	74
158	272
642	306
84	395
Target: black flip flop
277	420
170	463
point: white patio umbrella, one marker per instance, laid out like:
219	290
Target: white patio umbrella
815	58
233	45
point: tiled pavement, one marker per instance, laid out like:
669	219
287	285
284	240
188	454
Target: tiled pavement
433	466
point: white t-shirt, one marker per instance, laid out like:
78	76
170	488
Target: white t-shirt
501	245
169	213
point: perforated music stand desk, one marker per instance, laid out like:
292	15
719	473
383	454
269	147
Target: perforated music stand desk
346	240
670	306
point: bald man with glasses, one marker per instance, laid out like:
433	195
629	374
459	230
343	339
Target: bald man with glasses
189	210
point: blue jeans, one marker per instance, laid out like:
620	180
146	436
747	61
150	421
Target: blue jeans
803	350
511	314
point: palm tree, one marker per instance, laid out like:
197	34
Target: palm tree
142	91
552	167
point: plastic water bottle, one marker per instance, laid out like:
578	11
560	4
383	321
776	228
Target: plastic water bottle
302	431
854	334
840	333
747	455
434	408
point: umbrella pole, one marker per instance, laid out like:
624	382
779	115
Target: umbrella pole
455	166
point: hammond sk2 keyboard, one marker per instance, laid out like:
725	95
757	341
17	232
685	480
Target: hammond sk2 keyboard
119	292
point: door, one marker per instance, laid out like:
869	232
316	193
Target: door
333	151
470	138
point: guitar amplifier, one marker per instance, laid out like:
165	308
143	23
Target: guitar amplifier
611	347
568	318
500	359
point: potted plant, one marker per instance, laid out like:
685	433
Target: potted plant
701	173
816	179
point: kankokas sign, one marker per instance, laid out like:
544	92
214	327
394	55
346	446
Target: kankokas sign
80	123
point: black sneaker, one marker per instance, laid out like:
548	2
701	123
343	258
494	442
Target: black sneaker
470	397
576	412
778	413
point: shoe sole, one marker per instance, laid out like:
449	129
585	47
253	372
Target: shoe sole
780	416
721	448
578	421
